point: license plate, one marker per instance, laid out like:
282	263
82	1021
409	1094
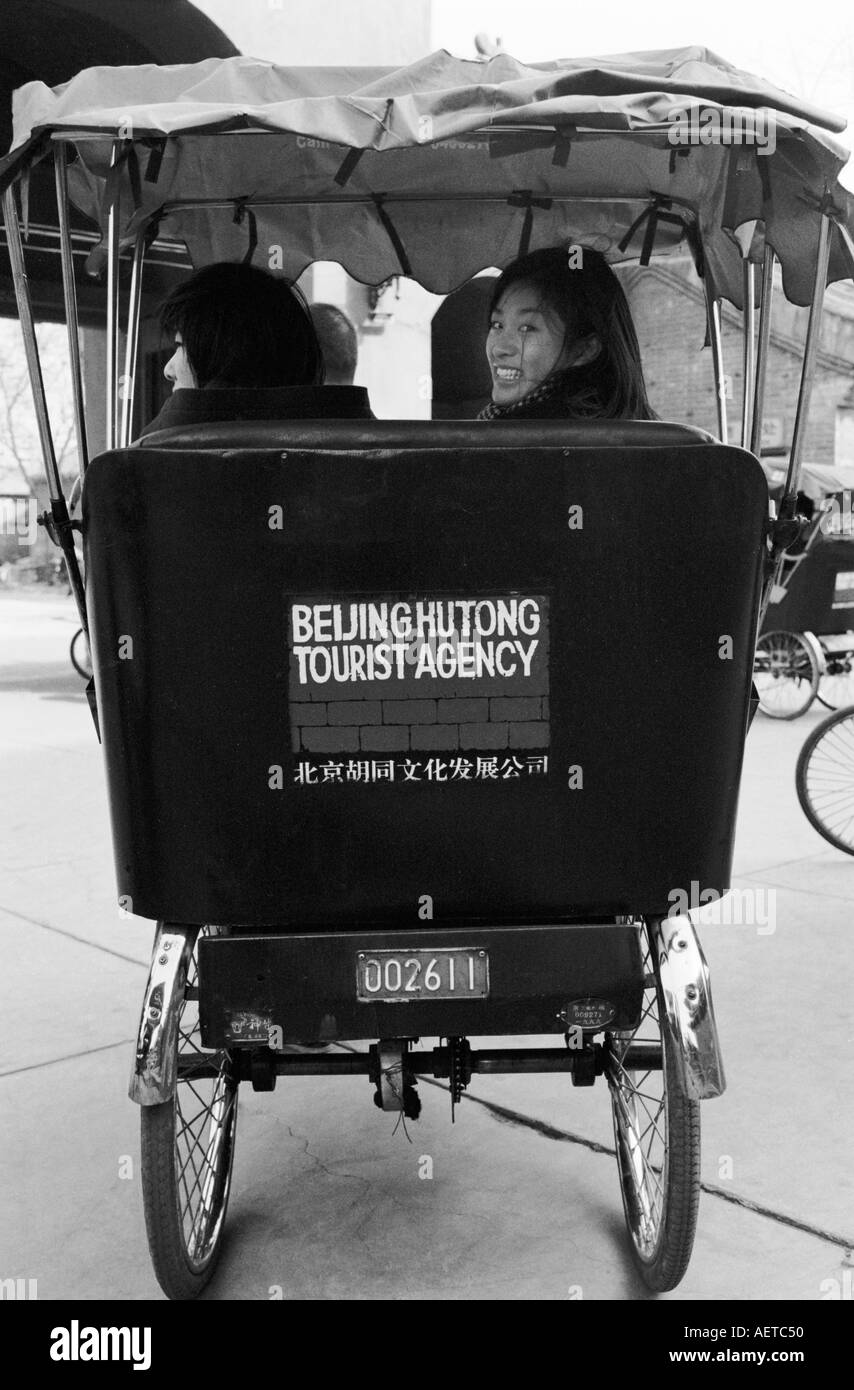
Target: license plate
404	976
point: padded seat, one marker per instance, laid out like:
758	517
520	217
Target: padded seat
426	434
297	743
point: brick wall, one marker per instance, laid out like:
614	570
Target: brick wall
671	328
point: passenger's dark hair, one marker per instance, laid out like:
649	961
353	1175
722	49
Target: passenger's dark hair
589	300
338	341
242	326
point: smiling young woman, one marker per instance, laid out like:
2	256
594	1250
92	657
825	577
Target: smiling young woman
561	343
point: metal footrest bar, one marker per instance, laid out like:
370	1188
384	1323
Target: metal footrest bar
435	1062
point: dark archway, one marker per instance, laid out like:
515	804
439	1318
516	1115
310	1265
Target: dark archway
49	41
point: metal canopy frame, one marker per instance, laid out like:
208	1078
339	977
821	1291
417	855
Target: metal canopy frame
120	388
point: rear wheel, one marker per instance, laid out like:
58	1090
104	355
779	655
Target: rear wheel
657	1134
786	674
187	1151
824	778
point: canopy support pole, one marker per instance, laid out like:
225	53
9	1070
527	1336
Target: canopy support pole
749	350
128	381
113	308
762	350
788	503
59	525
713	314
69	290
810	352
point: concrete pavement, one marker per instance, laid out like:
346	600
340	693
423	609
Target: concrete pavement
326	1202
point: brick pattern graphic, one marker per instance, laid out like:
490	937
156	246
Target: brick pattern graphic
424	714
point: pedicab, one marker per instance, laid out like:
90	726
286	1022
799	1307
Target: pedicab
806	646
372	767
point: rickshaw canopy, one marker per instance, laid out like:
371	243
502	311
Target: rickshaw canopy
816	480
448	166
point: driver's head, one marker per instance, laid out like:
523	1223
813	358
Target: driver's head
238	325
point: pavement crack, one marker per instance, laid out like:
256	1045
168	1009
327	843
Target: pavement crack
70	1057
72	936
303	1139
541	1127
846	1242
809	892
547	1131
783	864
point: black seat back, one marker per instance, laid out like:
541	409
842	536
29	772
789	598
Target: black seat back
564	737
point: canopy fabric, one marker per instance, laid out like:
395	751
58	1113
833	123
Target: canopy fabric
448	166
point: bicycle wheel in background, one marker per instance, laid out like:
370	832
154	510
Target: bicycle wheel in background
786	674
81	657
824	778
836	686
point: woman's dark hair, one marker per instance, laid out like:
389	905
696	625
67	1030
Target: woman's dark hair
242	326
588	299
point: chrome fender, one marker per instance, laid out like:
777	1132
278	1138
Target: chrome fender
817	649
689	1015
153	1076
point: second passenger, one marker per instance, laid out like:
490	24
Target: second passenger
561	343
246	349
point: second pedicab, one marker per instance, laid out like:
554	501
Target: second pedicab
805	649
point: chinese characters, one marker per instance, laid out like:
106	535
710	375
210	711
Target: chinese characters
480	768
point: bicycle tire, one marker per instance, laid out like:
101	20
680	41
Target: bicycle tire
824	779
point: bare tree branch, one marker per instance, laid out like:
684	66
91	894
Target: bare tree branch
19	440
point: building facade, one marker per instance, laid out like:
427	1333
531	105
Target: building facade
669	312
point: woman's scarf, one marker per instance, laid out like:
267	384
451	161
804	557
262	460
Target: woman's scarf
553	397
